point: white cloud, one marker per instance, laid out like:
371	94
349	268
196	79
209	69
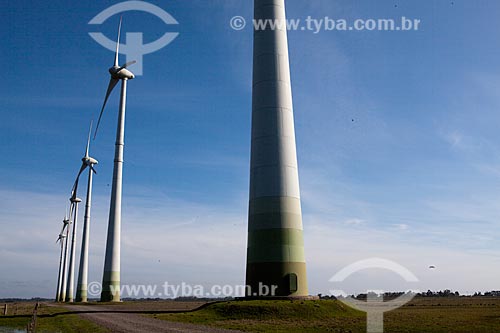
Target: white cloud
401	226
354	222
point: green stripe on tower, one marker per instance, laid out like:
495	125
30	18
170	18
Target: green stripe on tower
81	293
275	245
275	252
111	287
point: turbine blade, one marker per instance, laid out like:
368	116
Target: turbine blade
111	86
64	227
118	42
73	191
84	166
126	65
71	207
75	185
88	140
93	170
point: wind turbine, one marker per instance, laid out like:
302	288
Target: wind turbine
60	239
111	277
67	223
87	162
71	273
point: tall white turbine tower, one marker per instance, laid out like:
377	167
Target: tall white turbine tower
111	277
71	272
81	288
275	254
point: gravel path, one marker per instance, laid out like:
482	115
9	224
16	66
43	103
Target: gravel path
135	323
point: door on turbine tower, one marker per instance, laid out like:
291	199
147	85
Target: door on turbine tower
292	283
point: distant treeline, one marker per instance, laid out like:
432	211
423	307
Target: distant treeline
18	300
429	293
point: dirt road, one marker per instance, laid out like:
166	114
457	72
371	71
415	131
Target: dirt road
127	322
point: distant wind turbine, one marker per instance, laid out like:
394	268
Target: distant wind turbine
71	272
87	162
60	277
111	277
66	226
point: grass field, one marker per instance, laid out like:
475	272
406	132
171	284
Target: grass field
433	315
20	315
422	315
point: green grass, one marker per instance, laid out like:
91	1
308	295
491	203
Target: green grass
60	323
438	315
17	309
68	323
17	323
276	316
422	315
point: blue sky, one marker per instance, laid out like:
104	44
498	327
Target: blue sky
398	147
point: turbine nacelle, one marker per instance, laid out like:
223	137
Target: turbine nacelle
89	161
61	238
66	222
75	200
121	72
